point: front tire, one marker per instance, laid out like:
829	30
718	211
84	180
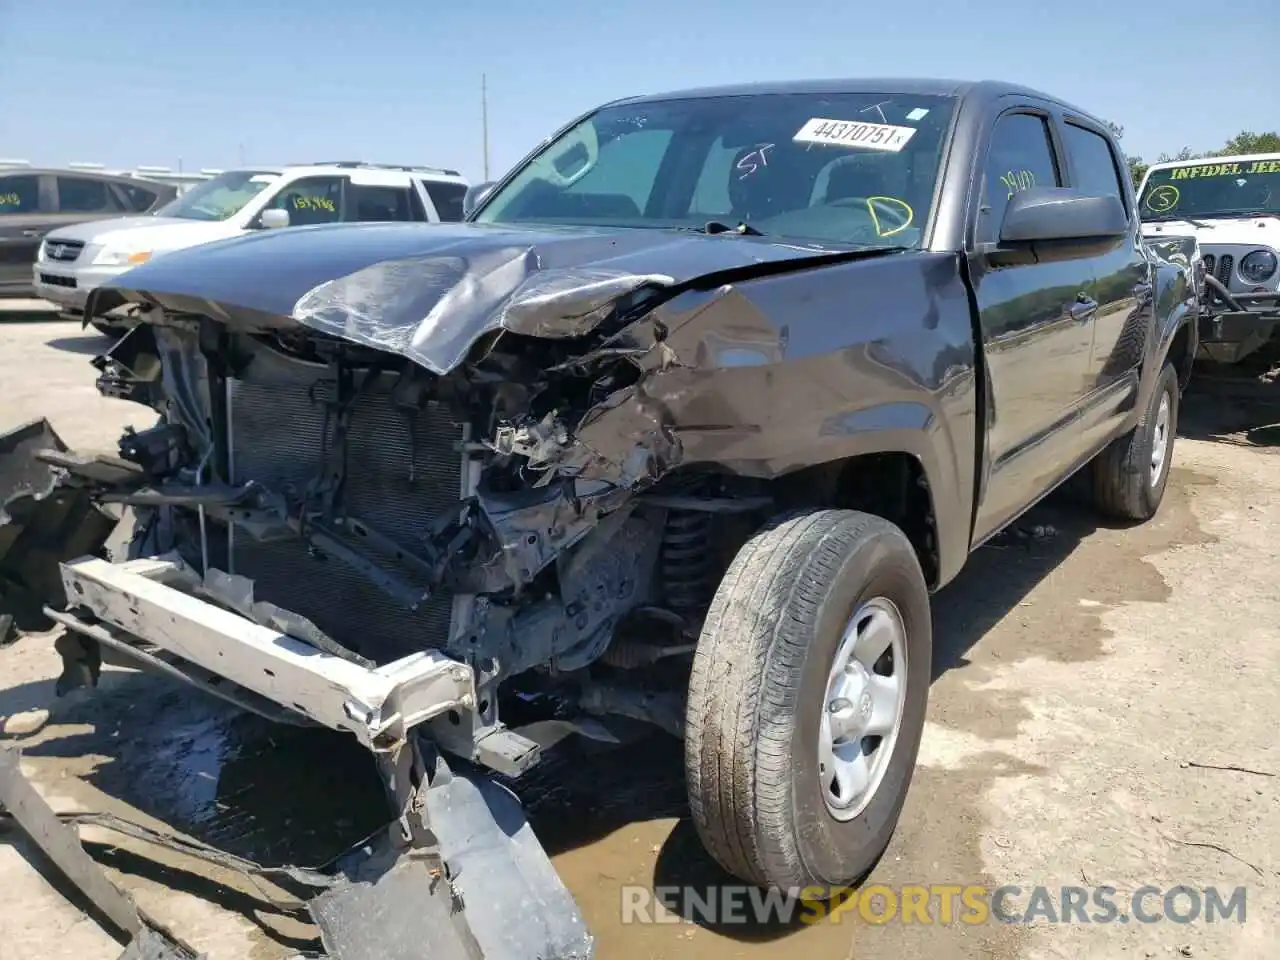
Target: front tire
1130	475
807	700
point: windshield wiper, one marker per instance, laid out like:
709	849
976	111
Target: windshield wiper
743	228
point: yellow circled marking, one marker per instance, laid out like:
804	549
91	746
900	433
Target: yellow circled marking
1166	202
890	201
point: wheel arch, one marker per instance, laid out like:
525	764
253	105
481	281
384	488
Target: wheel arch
893	484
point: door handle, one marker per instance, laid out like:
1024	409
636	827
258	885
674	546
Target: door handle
1084	308
33	234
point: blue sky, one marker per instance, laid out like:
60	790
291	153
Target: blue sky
156	81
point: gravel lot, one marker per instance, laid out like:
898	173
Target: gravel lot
1084	676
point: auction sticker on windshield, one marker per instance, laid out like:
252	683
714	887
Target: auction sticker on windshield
854	133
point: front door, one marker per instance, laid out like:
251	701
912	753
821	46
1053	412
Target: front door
1037	330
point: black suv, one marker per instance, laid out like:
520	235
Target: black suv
33	202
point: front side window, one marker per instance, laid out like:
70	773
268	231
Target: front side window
219	198
1020	157
78	195
311	200
1241	188
854	169
20	194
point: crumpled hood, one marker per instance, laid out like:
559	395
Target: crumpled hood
146	232
429	291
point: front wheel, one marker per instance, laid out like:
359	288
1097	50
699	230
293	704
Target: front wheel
1130	475
807	700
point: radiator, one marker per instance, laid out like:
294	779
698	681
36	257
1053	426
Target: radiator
401	474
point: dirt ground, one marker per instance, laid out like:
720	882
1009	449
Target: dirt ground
1084	676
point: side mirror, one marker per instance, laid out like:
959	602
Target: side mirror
1063	217
475	196
273	219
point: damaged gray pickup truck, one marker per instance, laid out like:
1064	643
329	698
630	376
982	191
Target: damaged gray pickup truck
682	426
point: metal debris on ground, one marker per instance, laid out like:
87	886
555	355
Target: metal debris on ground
145	938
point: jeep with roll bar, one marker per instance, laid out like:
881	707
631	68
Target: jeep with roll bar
1231	206
683	425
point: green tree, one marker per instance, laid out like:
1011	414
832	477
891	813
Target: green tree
1249	142
1137	170
1181	156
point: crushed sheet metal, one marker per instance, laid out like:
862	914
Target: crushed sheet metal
431	294
149	941
42	522
498	289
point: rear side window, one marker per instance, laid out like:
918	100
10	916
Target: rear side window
140	199
447	197
366	203
1093	165
76	195
19	195
1020	157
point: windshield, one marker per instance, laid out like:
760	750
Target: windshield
222	197
848	169
1239	188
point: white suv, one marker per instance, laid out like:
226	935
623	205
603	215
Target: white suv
74	260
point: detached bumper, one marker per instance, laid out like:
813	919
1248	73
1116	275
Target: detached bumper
147	606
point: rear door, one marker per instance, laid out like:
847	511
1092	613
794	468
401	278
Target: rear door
26	215
1122	287
1036	325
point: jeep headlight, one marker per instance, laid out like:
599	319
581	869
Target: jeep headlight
120	257
1258	266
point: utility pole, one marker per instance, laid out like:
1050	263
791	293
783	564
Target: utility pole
484	119
242	154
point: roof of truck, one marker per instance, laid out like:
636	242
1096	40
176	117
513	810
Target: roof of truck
919	86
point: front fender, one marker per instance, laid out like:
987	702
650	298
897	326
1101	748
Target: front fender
1175	307
772	375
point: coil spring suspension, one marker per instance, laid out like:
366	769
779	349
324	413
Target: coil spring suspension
686	542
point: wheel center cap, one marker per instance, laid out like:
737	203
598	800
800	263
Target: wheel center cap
865	707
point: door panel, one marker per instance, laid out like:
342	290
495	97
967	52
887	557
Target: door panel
1037	331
